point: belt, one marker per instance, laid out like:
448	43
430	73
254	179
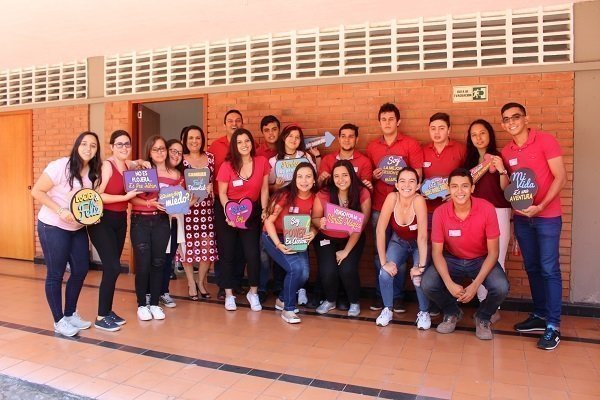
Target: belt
149	213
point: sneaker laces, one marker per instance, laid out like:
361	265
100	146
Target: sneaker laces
548	333
484	324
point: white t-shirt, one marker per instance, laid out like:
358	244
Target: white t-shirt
61	193
299	154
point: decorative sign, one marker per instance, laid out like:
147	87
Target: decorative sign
87	206
175	199
479	170
391	165
463	94
239	212
435	187
285	168
295	228
197	181
343	219
144	180
311	142
522	188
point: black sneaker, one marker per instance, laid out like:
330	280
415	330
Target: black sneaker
549	340
377	305
399	306
118	320
532	323
107	324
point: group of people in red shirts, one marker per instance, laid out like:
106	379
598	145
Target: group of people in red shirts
457	245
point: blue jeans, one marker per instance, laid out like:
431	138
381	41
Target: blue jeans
398	251
388	233
265	271
61	246
539	242
297	267
495	282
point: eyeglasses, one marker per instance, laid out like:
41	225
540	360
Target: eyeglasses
120	145
174	152
514	118
159	149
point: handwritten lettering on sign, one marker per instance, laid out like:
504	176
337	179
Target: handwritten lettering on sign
295	228
284	169
87	206
522	189
175	199
343	219
391	165
144	180
435	187
239	212
196	182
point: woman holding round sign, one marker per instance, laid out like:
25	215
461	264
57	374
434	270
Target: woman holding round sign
406	211
244	194
481	141
200	244
339	251
150	232
61	236
283	234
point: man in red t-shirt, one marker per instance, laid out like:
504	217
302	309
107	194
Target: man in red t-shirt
538	227
270	127
348	137
465	246
392	142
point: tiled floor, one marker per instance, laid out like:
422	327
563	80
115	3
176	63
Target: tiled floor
200	351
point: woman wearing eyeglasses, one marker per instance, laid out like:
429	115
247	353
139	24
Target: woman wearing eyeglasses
108	235
150	232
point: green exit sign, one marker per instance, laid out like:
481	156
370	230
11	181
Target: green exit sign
462	94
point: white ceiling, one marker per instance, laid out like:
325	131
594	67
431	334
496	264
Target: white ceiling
38	32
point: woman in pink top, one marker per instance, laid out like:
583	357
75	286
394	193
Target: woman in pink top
62	238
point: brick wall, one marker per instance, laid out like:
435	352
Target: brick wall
548	98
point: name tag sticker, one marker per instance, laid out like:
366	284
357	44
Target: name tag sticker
413	227
324	242
512	162
294	210
454	233
237	183
356	169
426	164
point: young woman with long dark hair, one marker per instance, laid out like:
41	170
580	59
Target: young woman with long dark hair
61	236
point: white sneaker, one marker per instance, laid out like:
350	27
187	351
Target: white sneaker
157	312
77	322
280	305
325	307
354	310
144	313
423	320
167	301
385	317
147	299
302	299
65	328
254	301
290	317
230	303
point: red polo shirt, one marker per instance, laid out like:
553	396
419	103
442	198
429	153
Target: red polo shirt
404	146
362	165
465	239
265	151
534	154
219	148
238	188
441	164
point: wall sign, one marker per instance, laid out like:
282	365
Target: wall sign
197	181
87	206
295	228
467	94
285	168
175	199
144	180
391	165
239	212
343	219
523	187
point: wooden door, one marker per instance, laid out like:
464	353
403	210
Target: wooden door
16	203
148	126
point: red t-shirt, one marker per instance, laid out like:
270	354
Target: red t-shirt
362	165
115	186
534	154
265	151
488	188
404	146
324	197
465	239
219	148
238	188
298	206
441	164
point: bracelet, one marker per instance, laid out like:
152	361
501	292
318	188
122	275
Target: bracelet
505	172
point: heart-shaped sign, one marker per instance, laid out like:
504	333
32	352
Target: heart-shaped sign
522	188
239	212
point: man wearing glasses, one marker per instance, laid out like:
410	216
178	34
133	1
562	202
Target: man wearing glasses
537	228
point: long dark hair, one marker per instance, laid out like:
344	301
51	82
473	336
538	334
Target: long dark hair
472	158
290	192
75	163
280	143
353	192
179	167
150	144
234	156
184	138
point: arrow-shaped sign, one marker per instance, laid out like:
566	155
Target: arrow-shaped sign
311	142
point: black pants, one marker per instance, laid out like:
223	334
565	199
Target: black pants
331	273
108	237
240	259
149	236
168	268
231	241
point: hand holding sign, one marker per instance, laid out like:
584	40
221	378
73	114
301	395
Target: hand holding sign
87	206
295	229
522	189
479	170
327	139
238	212
390	166
343	219
143	180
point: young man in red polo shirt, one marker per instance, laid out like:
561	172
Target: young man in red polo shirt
392	142
270	127
537	228
465	246
348	138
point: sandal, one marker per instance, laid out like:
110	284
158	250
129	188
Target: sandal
193	297
202	294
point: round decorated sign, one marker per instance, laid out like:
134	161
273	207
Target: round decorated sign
87	206
391	165
522	189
